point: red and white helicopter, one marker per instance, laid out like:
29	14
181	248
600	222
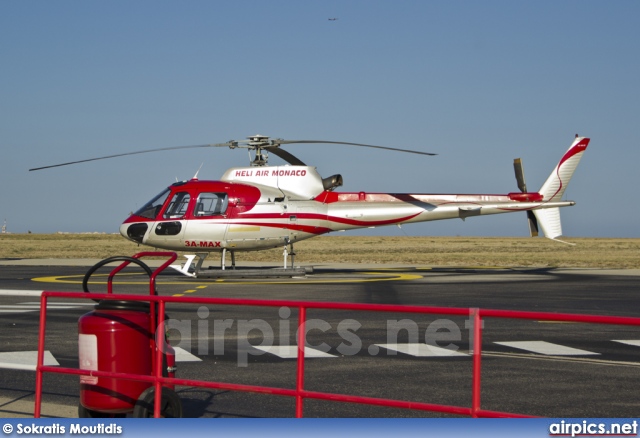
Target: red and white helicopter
262	207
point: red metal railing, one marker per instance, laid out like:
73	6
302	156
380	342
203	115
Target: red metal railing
299	392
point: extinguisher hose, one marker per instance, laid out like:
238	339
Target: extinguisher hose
94	268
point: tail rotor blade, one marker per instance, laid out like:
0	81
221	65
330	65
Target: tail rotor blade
533	223
519	170
522	185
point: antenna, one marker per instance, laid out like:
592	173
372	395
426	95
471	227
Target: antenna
197	172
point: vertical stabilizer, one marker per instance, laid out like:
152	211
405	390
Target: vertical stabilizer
556	184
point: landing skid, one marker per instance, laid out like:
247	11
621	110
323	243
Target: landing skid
193	268
256	273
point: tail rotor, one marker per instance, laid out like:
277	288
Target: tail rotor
522	185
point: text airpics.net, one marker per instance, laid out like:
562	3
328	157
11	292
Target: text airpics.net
591	428
194	335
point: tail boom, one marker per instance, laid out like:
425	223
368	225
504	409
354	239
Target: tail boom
346	211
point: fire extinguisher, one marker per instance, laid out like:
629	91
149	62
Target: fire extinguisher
119	336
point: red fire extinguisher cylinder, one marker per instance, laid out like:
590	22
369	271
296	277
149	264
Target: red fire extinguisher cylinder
115	337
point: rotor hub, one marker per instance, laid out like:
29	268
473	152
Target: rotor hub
259	141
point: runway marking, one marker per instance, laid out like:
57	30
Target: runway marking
422	350
191	291
183	355
547	348
562	359
635	343
291	351
20	293
34	306
25	360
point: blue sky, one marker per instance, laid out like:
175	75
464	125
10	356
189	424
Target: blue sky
479	83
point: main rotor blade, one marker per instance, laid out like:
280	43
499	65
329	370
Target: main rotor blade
228	144
272	146
285	155
279	141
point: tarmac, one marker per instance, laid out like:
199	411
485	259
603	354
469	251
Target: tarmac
336	266
20	404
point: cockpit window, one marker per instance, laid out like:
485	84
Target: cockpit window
151	209
178	205
211	204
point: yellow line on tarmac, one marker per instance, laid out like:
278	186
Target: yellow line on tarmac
386	276
383	276
71	279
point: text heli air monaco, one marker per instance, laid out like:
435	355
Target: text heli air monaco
255	208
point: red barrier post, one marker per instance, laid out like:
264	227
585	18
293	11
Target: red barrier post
159	353
477	361
302	337
40	361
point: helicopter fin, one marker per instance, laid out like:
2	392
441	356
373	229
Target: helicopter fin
556	184
549	220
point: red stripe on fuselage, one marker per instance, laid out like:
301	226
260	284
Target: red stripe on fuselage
312	216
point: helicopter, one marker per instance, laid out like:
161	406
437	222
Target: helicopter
262	207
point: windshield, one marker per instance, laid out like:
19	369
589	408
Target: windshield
151	209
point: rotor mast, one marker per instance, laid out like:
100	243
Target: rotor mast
257	143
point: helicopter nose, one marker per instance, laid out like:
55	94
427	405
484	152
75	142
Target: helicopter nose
135	231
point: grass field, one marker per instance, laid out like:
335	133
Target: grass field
425	251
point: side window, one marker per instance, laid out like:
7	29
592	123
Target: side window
178	206
211	204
